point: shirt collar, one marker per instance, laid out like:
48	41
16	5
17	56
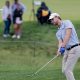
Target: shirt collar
61	26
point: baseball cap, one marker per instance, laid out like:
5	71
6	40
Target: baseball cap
54	15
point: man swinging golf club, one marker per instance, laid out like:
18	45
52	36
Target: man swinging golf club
69	45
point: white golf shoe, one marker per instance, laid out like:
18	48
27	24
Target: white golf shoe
18	36
14	36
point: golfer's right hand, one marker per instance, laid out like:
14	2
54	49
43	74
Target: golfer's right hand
58	53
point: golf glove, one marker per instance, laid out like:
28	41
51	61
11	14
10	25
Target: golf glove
62	50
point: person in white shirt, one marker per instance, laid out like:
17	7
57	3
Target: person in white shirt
6	16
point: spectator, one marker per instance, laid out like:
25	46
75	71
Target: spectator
43	13
17	14
17	7
6	16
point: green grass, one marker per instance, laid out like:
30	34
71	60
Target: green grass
19	58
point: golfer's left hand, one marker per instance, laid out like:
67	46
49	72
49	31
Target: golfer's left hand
62	50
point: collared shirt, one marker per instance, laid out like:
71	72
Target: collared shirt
62	32
6	11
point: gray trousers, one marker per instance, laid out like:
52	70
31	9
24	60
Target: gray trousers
69	60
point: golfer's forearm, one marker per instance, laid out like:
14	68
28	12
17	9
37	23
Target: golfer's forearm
60	44
65	41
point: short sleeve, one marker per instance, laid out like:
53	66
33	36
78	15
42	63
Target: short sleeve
68	24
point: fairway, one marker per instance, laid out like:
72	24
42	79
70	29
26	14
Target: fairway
38	45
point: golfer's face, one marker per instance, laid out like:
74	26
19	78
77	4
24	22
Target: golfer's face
54	21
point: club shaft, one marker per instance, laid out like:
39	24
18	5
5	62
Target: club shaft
45	64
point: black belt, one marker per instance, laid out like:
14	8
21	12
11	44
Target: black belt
73	46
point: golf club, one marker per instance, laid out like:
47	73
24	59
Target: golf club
43	66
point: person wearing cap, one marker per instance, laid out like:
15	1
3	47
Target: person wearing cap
69	45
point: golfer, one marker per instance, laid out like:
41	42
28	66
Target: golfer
69	45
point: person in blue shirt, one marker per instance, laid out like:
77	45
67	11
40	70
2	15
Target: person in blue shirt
18	10
68	46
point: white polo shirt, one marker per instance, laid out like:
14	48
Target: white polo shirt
6	11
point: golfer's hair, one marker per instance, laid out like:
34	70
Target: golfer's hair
59	18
